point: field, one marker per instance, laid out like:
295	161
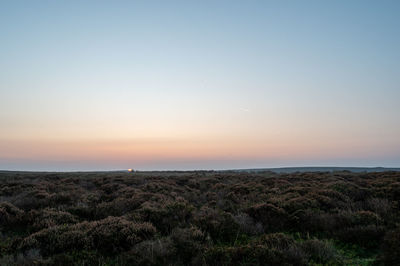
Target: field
200	218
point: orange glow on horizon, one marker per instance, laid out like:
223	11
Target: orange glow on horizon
180	149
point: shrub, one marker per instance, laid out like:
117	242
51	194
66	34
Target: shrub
109	235
379	206
273	218
254	254
117	207
167	215
188	243
220	225
368	236
321	251
247	224
277	241
391	248
150	252
198	218
9	214
29	257
33	199
50	217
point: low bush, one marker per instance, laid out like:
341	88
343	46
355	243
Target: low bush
47	218
274	249
391	248
109	235
199	218
219	225
272	218
322	252
10	215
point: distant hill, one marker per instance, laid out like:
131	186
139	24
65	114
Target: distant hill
319	169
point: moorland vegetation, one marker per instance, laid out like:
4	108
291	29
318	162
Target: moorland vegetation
200	218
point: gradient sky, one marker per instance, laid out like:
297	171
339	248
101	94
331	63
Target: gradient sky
101	85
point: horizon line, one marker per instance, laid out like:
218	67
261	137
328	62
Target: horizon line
343	168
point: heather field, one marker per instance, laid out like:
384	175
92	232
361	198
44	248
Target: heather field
199	218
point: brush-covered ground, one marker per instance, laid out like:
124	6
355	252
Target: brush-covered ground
199	218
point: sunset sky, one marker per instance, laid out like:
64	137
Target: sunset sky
103	85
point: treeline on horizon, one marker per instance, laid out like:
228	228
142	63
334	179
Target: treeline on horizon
200	218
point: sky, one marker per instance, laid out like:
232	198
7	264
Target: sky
163	85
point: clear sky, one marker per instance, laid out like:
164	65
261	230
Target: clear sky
101	85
